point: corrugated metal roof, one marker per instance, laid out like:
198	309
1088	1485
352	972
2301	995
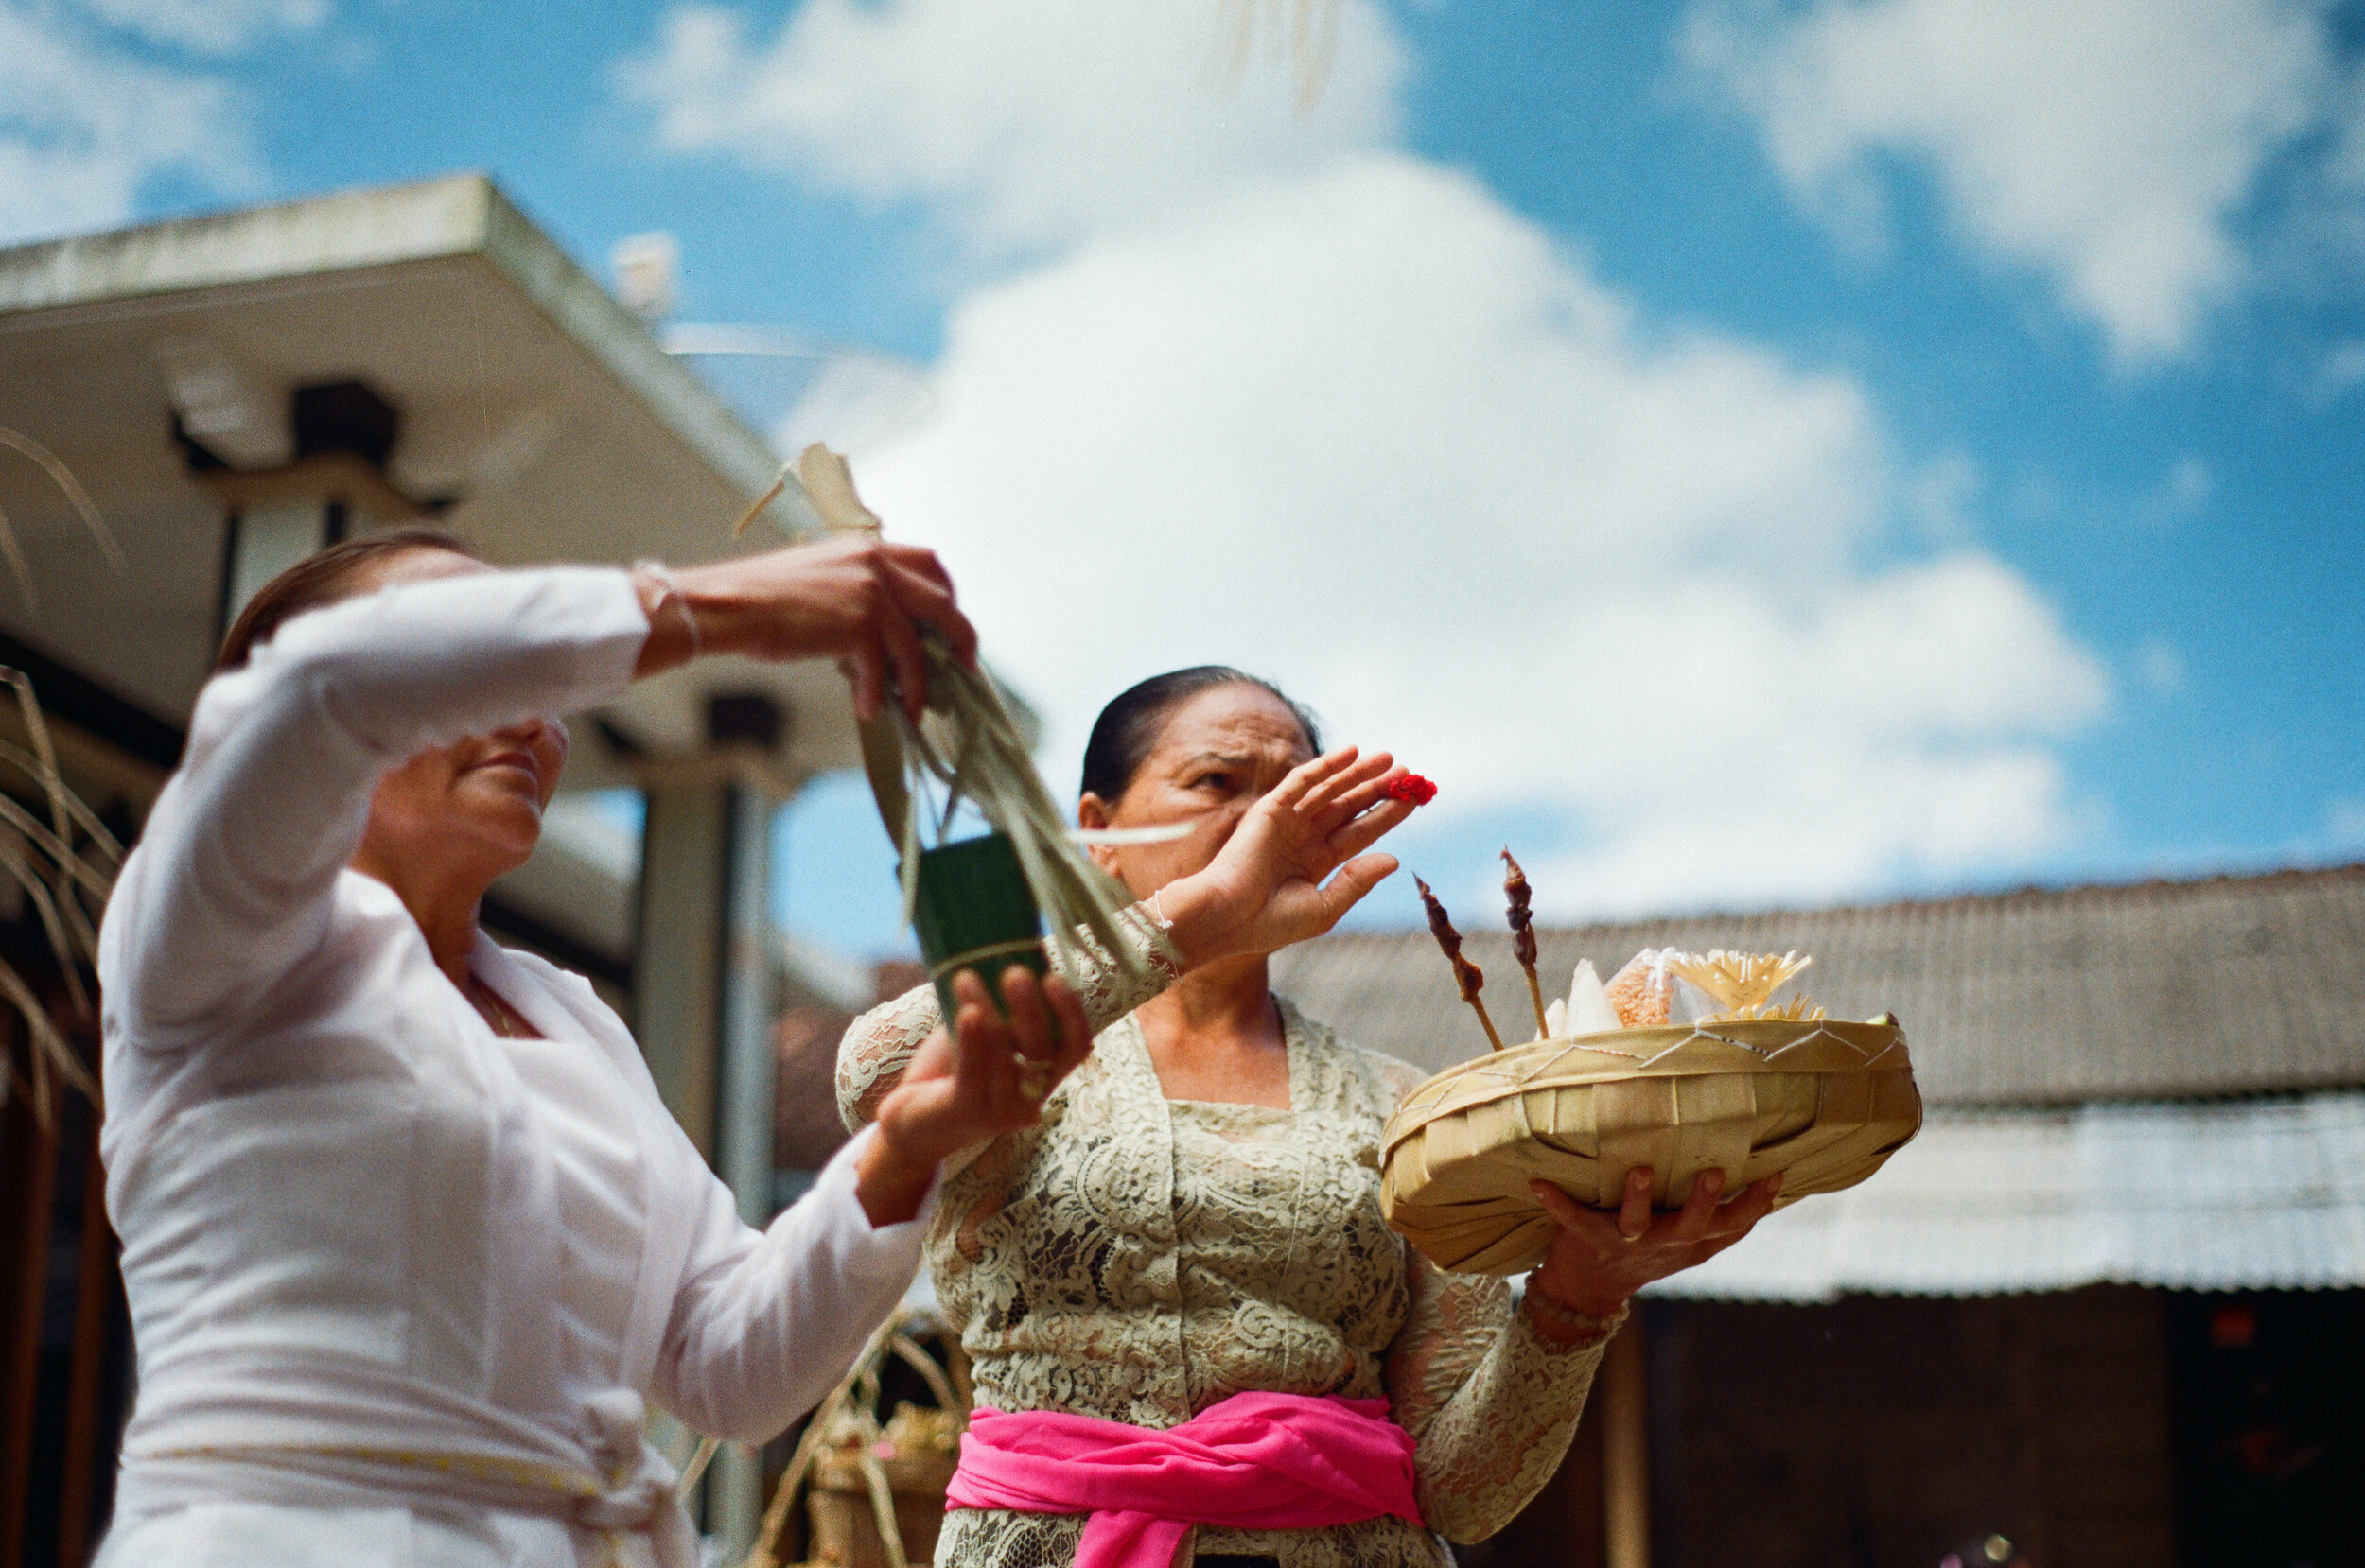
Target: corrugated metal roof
2256	1194
2232	985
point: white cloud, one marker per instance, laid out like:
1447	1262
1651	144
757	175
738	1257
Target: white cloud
1264	390
2344	824
210	26
1036	120
85	126
2183	492
2342	369
2105	145
1374	434
2159	666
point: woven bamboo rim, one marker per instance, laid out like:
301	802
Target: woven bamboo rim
1822	1102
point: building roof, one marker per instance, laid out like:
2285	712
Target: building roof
2044	997
2249	1194
543	418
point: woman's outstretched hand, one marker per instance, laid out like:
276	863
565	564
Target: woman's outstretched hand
992	1081
853	598
1600	1259
1265	888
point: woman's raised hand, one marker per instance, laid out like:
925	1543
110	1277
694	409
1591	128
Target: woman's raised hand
1266	887
853	598
954	1093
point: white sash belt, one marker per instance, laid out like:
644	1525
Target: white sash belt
630	1489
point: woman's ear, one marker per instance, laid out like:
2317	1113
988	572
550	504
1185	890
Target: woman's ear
1091	811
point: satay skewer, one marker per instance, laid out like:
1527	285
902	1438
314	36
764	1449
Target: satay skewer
1465	975
1516	892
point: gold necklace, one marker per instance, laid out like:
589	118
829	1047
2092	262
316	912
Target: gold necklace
498	1014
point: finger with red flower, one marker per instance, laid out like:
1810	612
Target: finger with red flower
1411	788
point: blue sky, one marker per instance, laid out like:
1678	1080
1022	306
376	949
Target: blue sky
1748	453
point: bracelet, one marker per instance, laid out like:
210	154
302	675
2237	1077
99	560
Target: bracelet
1156	911
1584	1328
669	592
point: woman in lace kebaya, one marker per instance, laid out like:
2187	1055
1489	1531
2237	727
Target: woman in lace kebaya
1181	1297
408	1235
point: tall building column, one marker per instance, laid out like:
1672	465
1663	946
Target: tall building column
677	968
744	1109
749	1003
703	992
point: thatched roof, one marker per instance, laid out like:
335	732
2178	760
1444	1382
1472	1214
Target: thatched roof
2162	990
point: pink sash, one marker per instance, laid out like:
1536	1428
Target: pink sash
1253	1462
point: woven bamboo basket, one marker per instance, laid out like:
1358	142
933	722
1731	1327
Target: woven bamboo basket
1824	1102
844	1513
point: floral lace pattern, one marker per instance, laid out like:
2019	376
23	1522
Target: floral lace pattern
1139	1260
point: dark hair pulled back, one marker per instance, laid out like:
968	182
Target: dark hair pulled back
323	579
1127	730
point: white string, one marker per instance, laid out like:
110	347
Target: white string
1163	833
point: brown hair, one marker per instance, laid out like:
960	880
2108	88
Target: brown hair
323	579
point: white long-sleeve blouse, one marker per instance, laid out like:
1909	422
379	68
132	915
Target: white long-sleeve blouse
399	1287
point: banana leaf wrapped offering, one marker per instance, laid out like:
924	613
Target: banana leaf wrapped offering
1681	1062
978	902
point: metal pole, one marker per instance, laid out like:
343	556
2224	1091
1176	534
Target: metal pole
1626	1449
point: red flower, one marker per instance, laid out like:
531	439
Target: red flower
1412	789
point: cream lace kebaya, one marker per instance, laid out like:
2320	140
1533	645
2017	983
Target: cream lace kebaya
1138	1259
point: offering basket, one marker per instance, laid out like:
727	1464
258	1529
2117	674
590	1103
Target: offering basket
1822	1102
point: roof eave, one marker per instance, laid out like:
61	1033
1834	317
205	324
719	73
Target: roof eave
301	243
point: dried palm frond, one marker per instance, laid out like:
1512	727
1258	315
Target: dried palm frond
11	553
12	556
103	843
65	868
51	1054
968	750
1743	983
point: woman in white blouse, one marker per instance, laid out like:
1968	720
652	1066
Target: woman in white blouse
407	1233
